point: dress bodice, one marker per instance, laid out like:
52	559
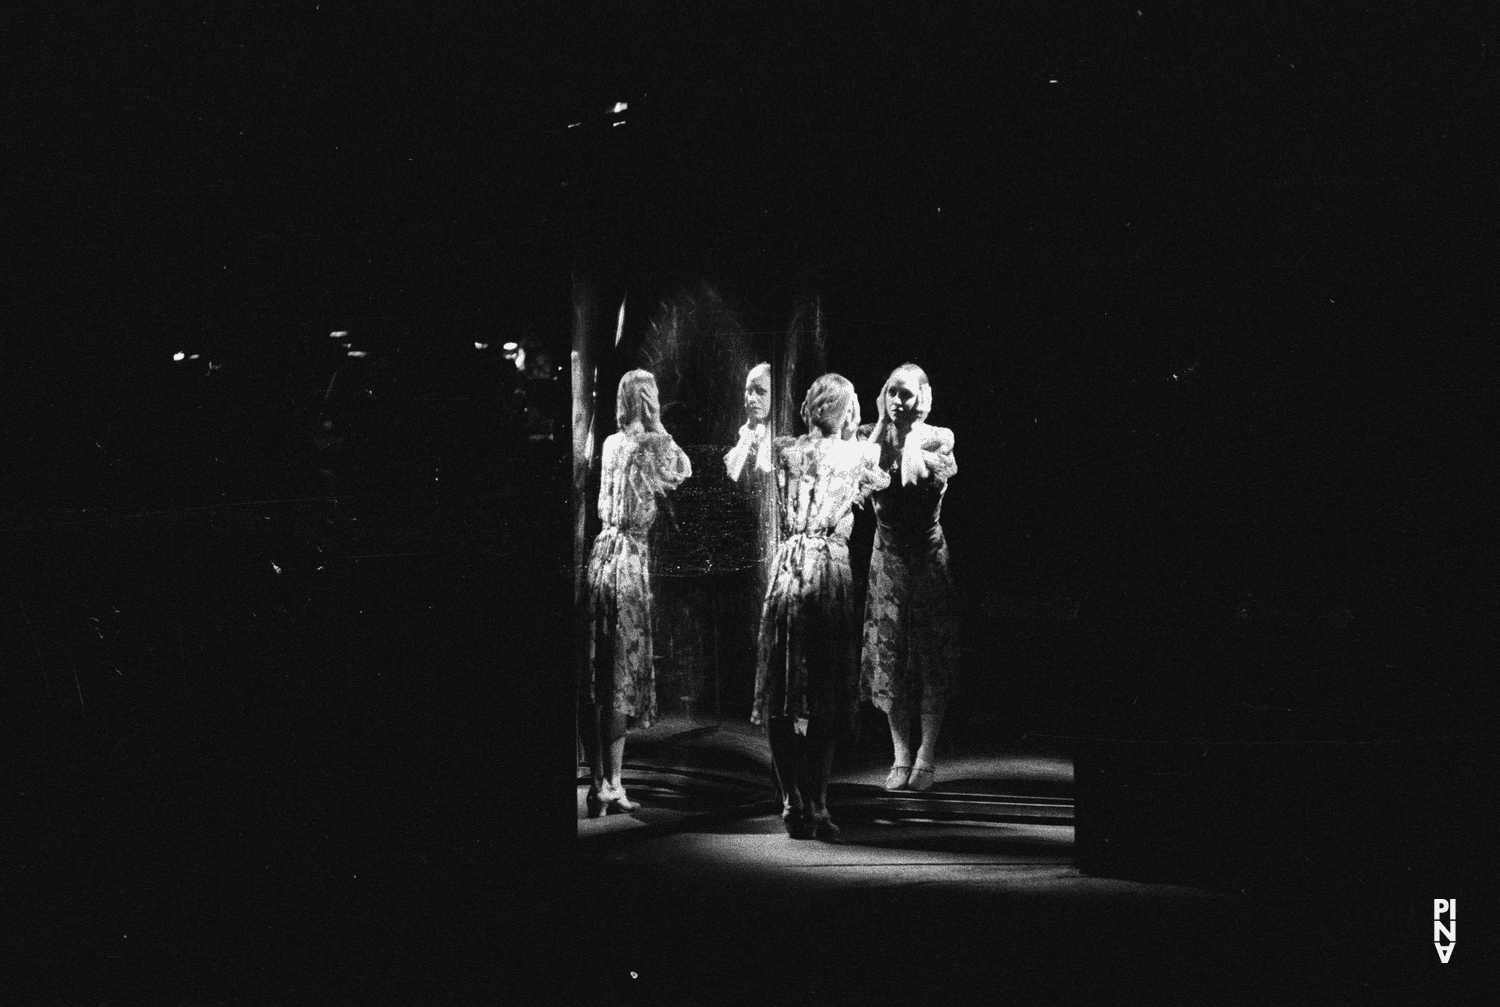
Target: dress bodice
820	479
637	469
911	512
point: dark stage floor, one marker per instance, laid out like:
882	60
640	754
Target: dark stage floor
971	888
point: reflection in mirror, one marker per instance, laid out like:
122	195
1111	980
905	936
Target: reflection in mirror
748	465
641	463
705	550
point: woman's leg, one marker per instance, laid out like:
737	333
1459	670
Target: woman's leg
925	764
932	723
818	765
900	718
613	724
591	734
616	748
787	758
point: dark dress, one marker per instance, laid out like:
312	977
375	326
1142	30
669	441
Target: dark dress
748	465
910	655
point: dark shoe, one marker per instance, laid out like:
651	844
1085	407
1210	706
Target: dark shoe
594	803
797	825
823	827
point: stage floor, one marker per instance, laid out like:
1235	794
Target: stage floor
683	770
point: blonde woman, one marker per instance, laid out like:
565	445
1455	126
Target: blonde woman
807	675
910	656
641	464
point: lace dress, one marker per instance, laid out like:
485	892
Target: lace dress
910	655
636	470
808	655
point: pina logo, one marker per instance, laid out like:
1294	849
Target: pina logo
1444	931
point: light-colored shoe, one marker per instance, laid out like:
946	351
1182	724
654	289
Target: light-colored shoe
615	798
896	778
921	778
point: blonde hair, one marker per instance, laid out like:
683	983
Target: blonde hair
636	401
884	425
831	405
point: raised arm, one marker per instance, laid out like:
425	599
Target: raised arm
872	478
937	454
734	461
674	465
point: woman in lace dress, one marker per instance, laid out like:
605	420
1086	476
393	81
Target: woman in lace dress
807	675
641	463
910	657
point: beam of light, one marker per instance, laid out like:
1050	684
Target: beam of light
520	360
620	123
509	347
481	346
179	356
1051	82
620	106
357	353
573	125
193	356
340	334
620	325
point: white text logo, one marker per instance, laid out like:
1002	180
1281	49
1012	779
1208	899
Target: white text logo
1442	931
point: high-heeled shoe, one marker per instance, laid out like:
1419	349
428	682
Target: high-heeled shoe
897	777
615	798
594	803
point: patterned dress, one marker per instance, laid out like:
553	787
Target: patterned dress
910	654
636	470
808	655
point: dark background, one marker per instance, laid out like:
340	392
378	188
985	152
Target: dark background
1208	317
